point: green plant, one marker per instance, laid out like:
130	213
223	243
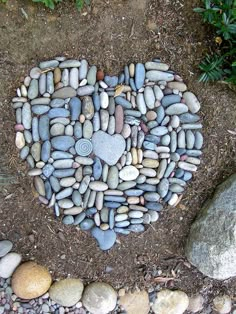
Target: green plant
51	3
48	3
80	3
221	14
212	68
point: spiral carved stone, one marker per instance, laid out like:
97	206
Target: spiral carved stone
83	147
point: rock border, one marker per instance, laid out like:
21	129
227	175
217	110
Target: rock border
28	288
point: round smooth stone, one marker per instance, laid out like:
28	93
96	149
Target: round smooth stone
154	215
31	280
113	177
122	224
65	203
98	186
163	187
136	228
79	218
99	298
97	168
62	142
73	210
83	147
122	209
129	173
86	224
66	292
68	220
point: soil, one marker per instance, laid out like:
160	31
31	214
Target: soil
112	34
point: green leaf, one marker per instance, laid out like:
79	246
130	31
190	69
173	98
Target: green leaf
211	67
48	3
199	10
79	4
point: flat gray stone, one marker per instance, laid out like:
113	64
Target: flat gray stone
64	92
108	148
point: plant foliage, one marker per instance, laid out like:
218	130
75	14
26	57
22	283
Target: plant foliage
48	3
221	65
52	3
80	3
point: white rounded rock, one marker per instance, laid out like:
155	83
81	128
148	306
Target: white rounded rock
20	140
171	302
104	100
195	303
192	102
8	264
99	298
129	173
222	304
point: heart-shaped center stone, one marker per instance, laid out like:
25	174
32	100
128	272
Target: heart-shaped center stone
108	147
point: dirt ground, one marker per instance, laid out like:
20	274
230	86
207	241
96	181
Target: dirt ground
112	34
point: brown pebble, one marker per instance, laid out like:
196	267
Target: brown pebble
19	127
151	115
133	200
144	127
140	155
43	200
81	118
57	75
134	156
30	280
177	85
59	85
142	200
119	118
150	163
100	75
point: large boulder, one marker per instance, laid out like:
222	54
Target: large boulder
211	245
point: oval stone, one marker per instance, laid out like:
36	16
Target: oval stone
31	280
129	173
62	142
